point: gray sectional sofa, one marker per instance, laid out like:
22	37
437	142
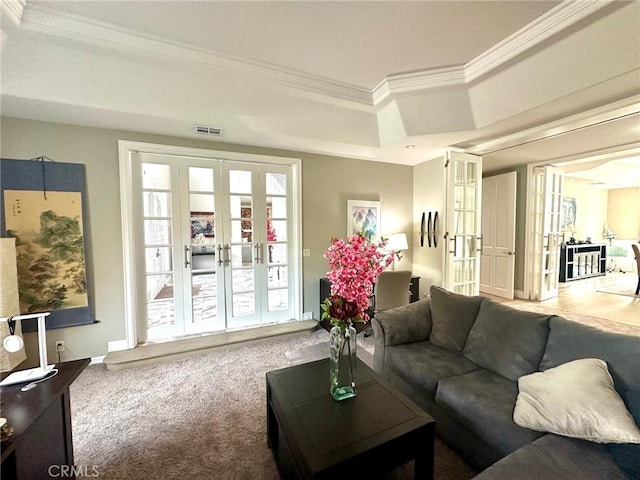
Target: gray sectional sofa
460	359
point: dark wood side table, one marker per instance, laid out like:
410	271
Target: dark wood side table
314	437
41	419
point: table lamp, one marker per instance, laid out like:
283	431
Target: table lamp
12	346
396	243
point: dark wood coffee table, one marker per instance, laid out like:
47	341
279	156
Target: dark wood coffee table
313	436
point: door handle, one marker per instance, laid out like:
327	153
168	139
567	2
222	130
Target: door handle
455	244
509	253
186	257
257	257
219	255
227	249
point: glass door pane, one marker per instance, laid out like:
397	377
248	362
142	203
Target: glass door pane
202	289
158	245
241	249
277	220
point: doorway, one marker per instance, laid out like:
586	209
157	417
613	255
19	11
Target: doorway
601	200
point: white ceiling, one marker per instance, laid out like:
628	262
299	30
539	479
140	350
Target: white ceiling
350	78
358	43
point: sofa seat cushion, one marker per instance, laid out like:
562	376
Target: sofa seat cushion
452	316
422	365
483	402
555	457
507	341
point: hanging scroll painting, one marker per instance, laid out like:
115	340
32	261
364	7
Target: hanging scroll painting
44	210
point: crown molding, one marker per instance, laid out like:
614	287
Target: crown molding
607	113
408	82
14	9
43	19
555	20
47	20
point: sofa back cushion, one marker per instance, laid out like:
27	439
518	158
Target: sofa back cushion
570	341
452	316
507	341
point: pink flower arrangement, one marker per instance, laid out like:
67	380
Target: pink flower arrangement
355	266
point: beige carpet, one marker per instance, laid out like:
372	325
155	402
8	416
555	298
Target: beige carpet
201	417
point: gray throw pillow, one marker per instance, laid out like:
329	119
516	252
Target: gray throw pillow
507	341
452	316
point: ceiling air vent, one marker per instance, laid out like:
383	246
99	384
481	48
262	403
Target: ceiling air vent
204	130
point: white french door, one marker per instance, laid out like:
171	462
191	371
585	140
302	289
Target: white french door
257	257
213	244
463	238
548	184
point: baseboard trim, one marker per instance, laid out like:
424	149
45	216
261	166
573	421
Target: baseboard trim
95	360
117	346
519	294
151	353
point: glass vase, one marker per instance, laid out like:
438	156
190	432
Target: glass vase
342	362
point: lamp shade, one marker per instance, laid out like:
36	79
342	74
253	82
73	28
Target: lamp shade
9	302
397	241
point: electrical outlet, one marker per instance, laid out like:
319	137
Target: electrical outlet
307	316
59	346
306	252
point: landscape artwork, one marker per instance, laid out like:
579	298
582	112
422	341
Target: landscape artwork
568	213
50	248
363	216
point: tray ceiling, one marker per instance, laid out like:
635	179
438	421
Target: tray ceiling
358	79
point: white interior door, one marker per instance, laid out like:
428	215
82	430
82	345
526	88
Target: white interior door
463	237
548	186
497	266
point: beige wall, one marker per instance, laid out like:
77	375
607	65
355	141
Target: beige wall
327	184
623	213
591	209
428	196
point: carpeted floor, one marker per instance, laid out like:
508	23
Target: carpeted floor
201	417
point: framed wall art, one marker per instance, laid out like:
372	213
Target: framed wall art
44	208
364	216
568	220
